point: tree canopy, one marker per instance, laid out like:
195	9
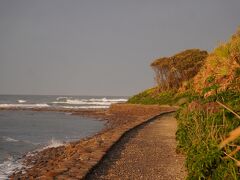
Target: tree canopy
170	72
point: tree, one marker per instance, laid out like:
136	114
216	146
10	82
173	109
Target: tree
170	72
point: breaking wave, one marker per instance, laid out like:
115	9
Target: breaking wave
63	102
84	107
80	102
9	166
92	101
23	105
53	143
107	100
9	139
21	101
61	98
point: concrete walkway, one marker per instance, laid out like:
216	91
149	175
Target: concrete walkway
147	152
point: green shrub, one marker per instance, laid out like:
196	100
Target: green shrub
199	131
199	134
210	79
223	51
151	97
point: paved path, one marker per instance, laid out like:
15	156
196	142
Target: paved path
148	152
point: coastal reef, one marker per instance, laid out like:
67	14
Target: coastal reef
76	159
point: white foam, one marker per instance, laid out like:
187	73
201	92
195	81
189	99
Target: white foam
12	140
53	143
9	139
93	101
64	101
61	97
68	113
21	101
105	100
8	167
23	105
80	102
84	107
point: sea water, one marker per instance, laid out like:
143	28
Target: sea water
58	102
24	131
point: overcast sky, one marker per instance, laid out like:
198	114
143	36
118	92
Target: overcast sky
102	47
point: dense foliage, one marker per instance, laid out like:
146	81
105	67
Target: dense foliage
209	107
151	96
202	125
220	67
170	72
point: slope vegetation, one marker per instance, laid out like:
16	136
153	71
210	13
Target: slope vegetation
208	117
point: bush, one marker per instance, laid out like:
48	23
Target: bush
220	64
151	96
199	134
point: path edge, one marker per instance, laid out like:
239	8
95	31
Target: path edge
123	136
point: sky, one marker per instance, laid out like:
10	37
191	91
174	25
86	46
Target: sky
102	47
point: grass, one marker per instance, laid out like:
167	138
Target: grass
151	96
199	135
200	132
221	64
208	132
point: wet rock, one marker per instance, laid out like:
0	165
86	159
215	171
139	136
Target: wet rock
75	159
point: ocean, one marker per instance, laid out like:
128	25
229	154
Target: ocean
59	102
23	131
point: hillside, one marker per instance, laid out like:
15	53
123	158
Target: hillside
171	74
207	90
172	71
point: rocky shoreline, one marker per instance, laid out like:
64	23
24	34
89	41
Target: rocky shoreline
76	159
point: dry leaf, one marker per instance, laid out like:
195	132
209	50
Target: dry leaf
232	136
